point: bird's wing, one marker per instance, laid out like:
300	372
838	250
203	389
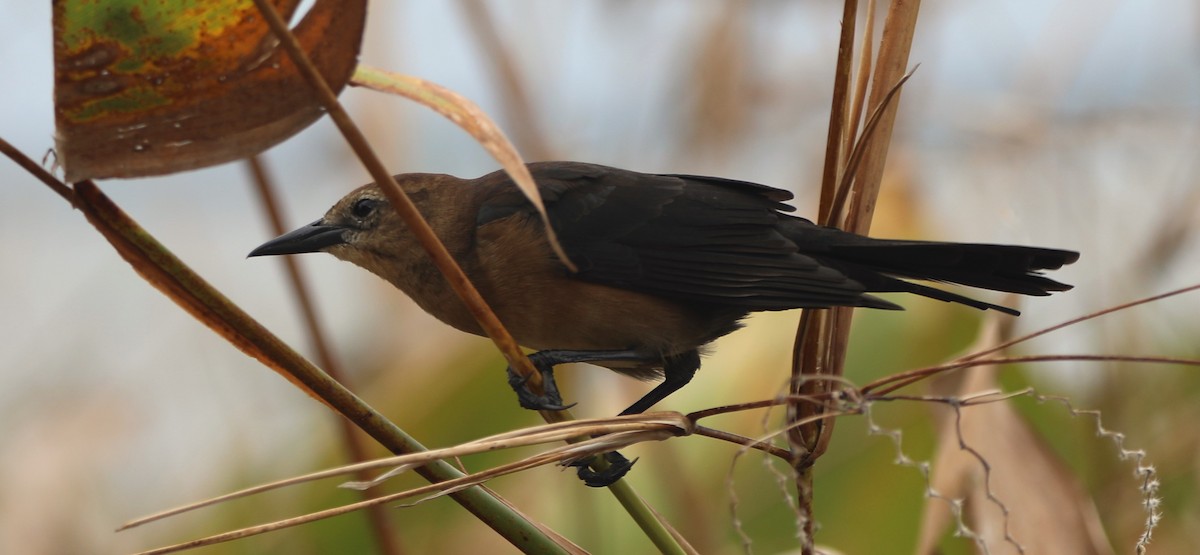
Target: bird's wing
696	238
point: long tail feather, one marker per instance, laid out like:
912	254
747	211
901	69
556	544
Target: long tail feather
878	263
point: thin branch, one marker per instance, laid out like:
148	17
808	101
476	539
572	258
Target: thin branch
831	174
59	188
904	379
745	442
399	200
861	80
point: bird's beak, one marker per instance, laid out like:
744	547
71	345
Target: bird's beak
310	238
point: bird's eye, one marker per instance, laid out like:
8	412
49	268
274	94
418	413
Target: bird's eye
363	208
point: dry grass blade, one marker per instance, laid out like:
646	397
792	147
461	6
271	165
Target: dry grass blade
856	153
898	30
470	118
657	424
618	432
913	376
607	433
823	338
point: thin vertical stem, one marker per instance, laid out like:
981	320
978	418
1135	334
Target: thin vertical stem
385	535
806	351
838	121
523	120
823	336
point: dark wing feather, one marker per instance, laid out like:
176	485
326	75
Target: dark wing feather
694	238
727	242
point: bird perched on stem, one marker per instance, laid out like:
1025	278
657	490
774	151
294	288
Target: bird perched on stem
666	264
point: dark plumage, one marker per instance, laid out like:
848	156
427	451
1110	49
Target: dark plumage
667	263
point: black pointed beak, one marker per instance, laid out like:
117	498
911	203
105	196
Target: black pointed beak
310	238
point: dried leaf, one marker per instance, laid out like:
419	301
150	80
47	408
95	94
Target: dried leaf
473	120
1048	510
146	87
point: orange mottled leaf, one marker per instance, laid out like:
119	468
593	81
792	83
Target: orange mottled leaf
147	87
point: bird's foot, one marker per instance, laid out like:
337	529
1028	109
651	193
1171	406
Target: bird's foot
618	466
550	399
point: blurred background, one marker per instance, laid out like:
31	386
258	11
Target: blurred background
1069	124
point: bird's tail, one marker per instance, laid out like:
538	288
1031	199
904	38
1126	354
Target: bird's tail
880	264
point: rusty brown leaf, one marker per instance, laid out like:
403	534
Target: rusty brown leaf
146	87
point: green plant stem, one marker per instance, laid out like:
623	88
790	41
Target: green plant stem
646	518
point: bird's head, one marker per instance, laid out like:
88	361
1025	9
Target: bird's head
364	229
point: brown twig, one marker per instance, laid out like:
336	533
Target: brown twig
400	201
822	338
745	442
839	119
861	79
655	529
904	379
59	188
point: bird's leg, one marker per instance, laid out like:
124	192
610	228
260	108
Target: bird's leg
677	372
545	361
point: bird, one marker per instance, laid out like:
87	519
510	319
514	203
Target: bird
665	264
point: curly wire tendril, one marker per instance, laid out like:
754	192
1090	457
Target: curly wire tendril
924	468
1145	473
850	401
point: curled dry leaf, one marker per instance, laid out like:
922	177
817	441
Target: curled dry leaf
467	115
148	87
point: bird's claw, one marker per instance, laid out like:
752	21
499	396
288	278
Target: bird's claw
550	400
618	466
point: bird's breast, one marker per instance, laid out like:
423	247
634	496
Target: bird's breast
544	307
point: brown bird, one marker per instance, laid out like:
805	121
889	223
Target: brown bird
667	263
